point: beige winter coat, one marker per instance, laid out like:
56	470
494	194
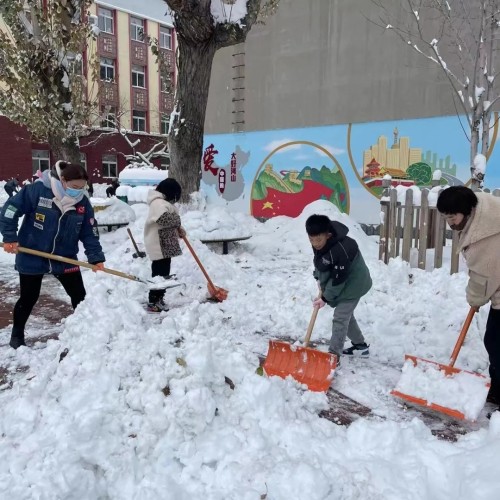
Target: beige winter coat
161	237
480	243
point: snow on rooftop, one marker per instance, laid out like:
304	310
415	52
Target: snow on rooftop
156	10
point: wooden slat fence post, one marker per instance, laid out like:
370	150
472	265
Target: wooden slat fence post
393	212
383	252
383	241
439	238
407	226
424	226
454	253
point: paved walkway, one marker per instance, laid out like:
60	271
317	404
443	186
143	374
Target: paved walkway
47	313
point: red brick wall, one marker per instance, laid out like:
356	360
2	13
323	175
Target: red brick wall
15	151
16	146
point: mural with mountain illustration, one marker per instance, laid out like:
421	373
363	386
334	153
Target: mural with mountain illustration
279	189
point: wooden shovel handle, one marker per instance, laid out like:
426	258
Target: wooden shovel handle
311	326
462	335
191	249
59	258
133	240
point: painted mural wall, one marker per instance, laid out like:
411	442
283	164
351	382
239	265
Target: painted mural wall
279	172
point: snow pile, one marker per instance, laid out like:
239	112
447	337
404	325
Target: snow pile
216	223
141	407
141	176
112	211
479	167
463	392
135	194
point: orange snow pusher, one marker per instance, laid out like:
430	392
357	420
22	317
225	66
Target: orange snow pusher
462	393
217	293
307	366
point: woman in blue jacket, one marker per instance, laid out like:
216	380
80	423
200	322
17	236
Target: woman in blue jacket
57	215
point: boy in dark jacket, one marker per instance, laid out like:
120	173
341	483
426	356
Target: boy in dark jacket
342	277
57	216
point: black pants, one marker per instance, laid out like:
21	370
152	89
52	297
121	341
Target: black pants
492	344
30	285
159	268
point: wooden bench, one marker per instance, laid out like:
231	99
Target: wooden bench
115	225
225	242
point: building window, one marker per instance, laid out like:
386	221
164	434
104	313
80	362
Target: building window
165	38
108	114
40	160
83	160
107	70
109	166
164	124
139	76
105	21
165	163
165	84
137	29
139	121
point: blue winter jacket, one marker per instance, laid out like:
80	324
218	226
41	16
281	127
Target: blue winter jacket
45	228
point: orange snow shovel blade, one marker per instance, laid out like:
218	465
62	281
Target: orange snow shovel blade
449	371
217	293
307	366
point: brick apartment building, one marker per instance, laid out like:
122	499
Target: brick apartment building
130	90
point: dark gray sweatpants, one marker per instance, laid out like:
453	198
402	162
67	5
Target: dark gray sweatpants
344	325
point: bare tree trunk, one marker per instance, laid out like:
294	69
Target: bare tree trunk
65	150
186	135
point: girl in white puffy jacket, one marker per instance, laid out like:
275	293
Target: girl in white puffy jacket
161	235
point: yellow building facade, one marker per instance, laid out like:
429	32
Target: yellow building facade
130	87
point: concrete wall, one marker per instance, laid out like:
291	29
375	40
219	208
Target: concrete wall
319	62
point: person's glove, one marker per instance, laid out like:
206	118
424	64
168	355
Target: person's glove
11	247
98	267
318	302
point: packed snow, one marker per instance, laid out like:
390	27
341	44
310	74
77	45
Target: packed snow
140	407
141	176
463	392
112	211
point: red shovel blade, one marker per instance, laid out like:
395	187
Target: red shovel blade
307	366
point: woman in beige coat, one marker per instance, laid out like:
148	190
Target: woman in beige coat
477	218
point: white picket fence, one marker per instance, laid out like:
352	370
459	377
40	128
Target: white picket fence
413	226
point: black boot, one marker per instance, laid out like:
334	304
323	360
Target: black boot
16	338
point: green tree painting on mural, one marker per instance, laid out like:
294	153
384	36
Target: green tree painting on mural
421	173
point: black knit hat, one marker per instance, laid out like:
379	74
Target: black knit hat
171	189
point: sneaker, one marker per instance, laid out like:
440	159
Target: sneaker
154	308
157	308
357	350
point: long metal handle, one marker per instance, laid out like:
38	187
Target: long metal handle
67	260
191	249
311	326
462	335
133	240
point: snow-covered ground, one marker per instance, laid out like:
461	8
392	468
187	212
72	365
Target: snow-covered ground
139	408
